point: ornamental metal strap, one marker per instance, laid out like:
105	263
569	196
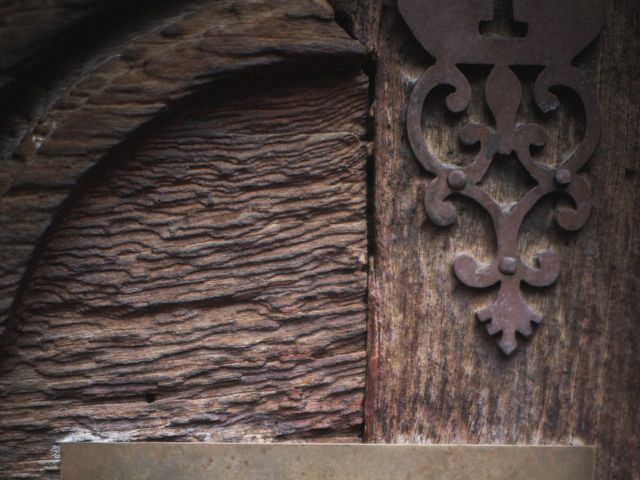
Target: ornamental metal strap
556	32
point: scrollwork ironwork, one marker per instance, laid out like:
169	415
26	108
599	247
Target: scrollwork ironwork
557	32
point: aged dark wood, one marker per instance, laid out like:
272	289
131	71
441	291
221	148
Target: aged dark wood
576	24
209	286
190	210
434	373
92	105
183	252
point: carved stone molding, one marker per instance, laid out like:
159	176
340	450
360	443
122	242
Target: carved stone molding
556	33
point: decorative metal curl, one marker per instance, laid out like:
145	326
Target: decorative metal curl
557	32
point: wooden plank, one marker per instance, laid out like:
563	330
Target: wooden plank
31	30
171	461
209	285
435	375
76	112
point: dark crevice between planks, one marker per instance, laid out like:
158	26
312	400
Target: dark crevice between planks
370	70
344	16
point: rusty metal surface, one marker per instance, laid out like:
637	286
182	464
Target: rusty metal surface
557	31
200	461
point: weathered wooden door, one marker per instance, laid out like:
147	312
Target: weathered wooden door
211	228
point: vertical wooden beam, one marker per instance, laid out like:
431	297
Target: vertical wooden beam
435	375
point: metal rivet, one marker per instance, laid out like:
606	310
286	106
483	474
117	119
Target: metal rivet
448	30
508	265
457	180
563	176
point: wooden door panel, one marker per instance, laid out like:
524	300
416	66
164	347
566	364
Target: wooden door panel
210	284
185	194
66	116
435	375
184	239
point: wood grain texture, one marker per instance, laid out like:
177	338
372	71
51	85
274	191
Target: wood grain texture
209	285
93	104
435	375
28	28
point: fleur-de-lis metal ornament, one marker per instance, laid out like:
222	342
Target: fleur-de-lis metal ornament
557	32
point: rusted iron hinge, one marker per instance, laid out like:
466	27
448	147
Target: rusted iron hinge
556	32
